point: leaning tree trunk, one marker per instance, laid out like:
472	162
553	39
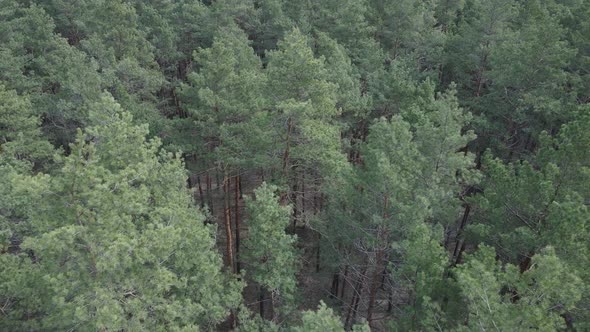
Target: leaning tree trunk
458	247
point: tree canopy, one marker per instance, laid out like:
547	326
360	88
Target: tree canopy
274	165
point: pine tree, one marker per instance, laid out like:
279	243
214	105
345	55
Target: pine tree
60	80
533	204
411	173
225	98
324	319
270	251
117	243
225	102
303	107
502	298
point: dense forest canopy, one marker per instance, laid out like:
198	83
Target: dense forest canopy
275	165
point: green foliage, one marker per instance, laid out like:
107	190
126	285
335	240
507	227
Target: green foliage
302	96
116	242
98	230
502	298
23	150
403	193
321	320
59	79
541	202
20	138
269	249
225	100
342	72
424	264
406	27
522	201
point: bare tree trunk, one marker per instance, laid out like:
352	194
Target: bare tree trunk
237	219
240	186
390	301
303	194
350	308
448	230
386	277
189	182
286	154
344	282
228	230
356	296
335	285
316	204
317	253
261	301
382	238
294	201
374	286
356	304
460	254
217	178
209	194
456	251
202	199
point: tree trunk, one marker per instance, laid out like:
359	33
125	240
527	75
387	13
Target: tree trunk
390	301
317	254
303	193
457	249
384	277
209	197
374	286
261	301
350	309
228	230
240	186
344	282
237	219
217	178
294	202
202	199
354	303
335	285
460	254
446	242
286	154
382	238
